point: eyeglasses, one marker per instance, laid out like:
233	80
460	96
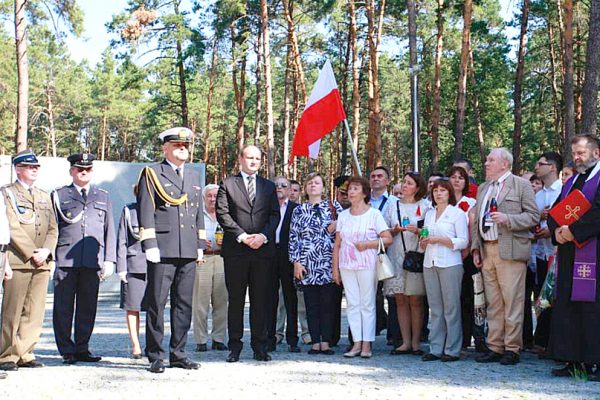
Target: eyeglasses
541	164
81	169
281	184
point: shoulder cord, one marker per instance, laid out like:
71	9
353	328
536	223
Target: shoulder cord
153	182
13	202
59	211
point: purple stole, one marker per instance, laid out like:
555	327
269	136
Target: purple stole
584	267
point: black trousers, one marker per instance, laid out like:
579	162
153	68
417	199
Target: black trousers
533	286
381	316
253	273
176	275
467	305
74	286
393	333
337	315
283	273
320	300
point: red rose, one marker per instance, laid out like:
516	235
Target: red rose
463	205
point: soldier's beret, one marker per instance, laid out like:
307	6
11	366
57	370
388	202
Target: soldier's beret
81	160
177	135
26	157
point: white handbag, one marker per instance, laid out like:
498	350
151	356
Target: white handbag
385	268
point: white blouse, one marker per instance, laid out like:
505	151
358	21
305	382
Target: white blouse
452	224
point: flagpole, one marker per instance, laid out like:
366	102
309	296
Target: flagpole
352	147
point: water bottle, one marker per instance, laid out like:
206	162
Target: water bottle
424	232
405	221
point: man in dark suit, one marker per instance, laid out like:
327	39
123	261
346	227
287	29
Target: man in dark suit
248	211
173	239
283	271
85	253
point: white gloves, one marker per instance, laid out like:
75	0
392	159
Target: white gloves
200	255
153	255
123	276
108	268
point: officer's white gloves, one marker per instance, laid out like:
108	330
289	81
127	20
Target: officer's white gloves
108	268
123	276
200	255
153	255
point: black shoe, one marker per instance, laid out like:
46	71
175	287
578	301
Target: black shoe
594	376
328	352
31	364
481	347
184	363
564	372
3	375
510	358
397	352
261	356
201	347
293	348
233	356
430	357
271	348
69	359
157	367
489	357
447	358
314	351
219	346
87	357
9	366
136	356
418	352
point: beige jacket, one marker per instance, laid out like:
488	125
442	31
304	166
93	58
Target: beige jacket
517	201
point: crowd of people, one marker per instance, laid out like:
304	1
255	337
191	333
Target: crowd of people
469	261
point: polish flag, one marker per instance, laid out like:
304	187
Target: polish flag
323	111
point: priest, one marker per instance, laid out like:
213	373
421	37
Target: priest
576	315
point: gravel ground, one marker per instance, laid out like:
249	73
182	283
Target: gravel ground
288	376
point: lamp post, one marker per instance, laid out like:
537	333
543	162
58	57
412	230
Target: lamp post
414	85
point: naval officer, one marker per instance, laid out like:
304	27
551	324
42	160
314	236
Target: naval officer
85	254
173	238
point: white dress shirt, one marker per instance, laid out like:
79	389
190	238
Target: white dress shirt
494	189
544	248
282	211
452	224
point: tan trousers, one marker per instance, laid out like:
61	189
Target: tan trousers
504	285
23	309
209	288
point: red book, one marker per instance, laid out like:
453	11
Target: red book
571	209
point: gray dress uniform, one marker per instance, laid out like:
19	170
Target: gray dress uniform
131	259
86	240
4	236
171	219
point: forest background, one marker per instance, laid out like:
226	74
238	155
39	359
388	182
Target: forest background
239	72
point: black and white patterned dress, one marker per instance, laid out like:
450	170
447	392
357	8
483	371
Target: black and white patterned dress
310	243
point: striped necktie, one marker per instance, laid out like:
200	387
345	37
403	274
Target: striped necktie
251	189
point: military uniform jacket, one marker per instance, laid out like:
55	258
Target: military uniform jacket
32	224
177	230
130	256
91	240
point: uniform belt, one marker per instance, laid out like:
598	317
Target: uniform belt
212	252
491	241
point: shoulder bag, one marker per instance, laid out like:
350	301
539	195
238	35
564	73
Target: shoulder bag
413	260
385	268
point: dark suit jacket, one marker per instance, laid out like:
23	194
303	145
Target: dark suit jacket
177	231
237	215
90	241
284	234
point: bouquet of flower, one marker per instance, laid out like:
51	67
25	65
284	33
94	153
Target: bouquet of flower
546	296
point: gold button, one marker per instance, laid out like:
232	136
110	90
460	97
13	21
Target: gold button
182	226
181	215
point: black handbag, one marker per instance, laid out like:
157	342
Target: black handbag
413	259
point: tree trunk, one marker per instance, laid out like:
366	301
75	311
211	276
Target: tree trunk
374	127
568	90
461	97
435	113
211	89
103	129
22	75
476	110
181	75
412	50
50	114
258	75
286	107
288	12
518	92
592	64
264	16
238	66
555	99
355	80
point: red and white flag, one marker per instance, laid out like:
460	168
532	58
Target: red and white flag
323	111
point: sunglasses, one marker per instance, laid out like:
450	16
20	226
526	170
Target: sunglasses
281	185
81	169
